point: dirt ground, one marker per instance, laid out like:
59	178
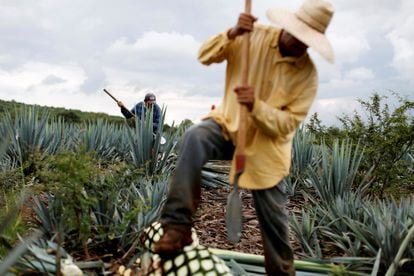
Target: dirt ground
211	228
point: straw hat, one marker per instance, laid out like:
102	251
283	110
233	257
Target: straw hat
308	24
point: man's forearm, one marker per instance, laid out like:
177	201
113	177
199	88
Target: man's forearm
127	114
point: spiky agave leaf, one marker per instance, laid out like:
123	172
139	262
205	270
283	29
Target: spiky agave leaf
145	146
30	132
41	258
404	245
304	151
338	172
4	141
307	232
385	225
6	162
145	200
48	214
305	154
13	257
350	205
102	138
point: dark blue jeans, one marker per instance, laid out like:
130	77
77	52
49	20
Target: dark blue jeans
203	142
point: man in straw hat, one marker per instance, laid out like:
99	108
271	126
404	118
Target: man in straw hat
282	86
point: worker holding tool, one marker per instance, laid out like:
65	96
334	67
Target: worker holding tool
280	89
140	110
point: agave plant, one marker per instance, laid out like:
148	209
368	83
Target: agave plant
6	162
57	136
366	231
307	231
3	146
304	151
146	198
384	227
348	206
122	206
72	133
48	214
145	146
102	138
45	257
31	132
338	172
7	264
339	235
304	156
397	260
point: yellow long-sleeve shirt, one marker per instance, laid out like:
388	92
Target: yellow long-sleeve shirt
285	88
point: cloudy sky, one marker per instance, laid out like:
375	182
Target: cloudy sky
63	53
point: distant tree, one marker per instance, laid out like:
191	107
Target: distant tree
168	128
321	132
69	116
387	135
186	123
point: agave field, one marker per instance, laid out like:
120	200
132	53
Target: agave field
81	194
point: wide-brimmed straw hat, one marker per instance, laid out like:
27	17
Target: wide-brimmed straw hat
308	24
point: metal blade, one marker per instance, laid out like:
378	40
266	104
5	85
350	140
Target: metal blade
234	214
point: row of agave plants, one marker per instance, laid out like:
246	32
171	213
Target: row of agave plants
93	188
338	218
32	130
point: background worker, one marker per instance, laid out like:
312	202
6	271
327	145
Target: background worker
282	86
140	109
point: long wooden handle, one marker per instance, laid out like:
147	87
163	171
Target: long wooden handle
115	99
110	95
241	135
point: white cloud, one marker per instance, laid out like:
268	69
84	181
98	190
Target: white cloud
329	109
31	82
368	6
349	48
158	44
360	74
355	83
402	39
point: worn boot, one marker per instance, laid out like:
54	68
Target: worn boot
174	239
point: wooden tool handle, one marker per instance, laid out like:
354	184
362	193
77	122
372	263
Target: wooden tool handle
110	95
246	48
115	99
241	135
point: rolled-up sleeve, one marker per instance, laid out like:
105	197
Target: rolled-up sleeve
215	49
